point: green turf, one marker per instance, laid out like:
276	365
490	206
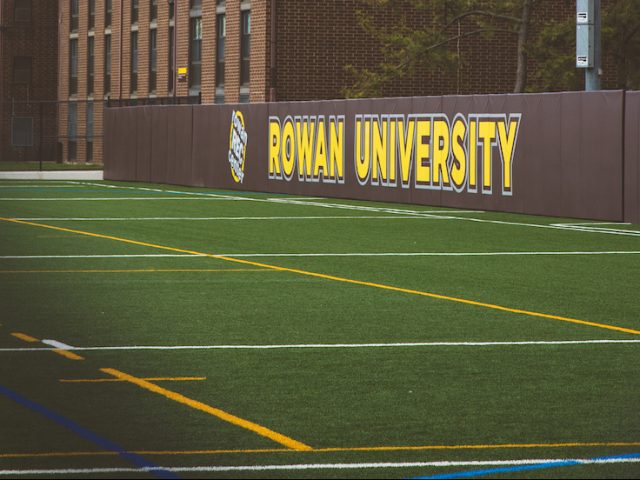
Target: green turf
328	398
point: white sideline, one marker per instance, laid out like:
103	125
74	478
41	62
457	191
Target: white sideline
308	217
324	466
330	345
451	213
425	254
331	254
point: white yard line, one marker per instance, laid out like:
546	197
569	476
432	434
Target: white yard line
333	254
612	231
326	466
299	198
451	214
426	254
331	345
160	190
592	223
135	219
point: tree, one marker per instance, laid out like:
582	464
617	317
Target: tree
621	41
407	47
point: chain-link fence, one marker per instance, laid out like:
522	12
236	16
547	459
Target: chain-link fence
62	131
29	131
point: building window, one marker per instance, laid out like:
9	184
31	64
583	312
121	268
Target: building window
89	156
22	11
195	55
134	62
92	14
107	64
134	11
73	66
153	14
171	55
75	13
153	59
196	7
90	53
171	9
72	129
107	13
245	47
221	23
22	70
22	131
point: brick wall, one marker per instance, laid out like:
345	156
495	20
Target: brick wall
182	42
29	39
315	42
260	51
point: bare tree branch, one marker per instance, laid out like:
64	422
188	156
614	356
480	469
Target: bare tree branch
482	13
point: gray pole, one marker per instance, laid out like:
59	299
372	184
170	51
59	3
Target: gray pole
592	75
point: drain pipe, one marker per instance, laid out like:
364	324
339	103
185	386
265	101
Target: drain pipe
272	59
121	28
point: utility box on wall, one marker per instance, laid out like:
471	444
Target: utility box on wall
585	33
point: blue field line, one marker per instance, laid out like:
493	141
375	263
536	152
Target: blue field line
521	468
137	460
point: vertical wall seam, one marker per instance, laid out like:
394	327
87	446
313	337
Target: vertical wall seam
624	154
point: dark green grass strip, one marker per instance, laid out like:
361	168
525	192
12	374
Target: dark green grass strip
524	468
136	459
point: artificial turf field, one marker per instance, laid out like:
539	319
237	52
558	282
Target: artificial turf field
164	331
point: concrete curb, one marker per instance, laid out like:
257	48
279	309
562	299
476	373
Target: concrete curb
54	175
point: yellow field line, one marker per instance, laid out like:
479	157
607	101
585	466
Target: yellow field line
24	337
147	379
64	353
338	279
142	270
221	414
329	450
67	354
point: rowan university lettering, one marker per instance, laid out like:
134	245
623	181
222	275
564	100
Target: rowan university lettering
309	148
421	151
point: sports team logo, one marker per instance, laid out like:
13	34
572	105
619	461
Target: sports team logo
237	146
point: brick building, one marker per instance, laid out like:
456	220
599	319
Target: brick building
141	52
28	66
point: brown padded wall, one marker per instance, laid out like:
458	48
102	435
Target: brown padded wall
180	142
127	140
568	156
159	144
632	158
109	142
143	153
